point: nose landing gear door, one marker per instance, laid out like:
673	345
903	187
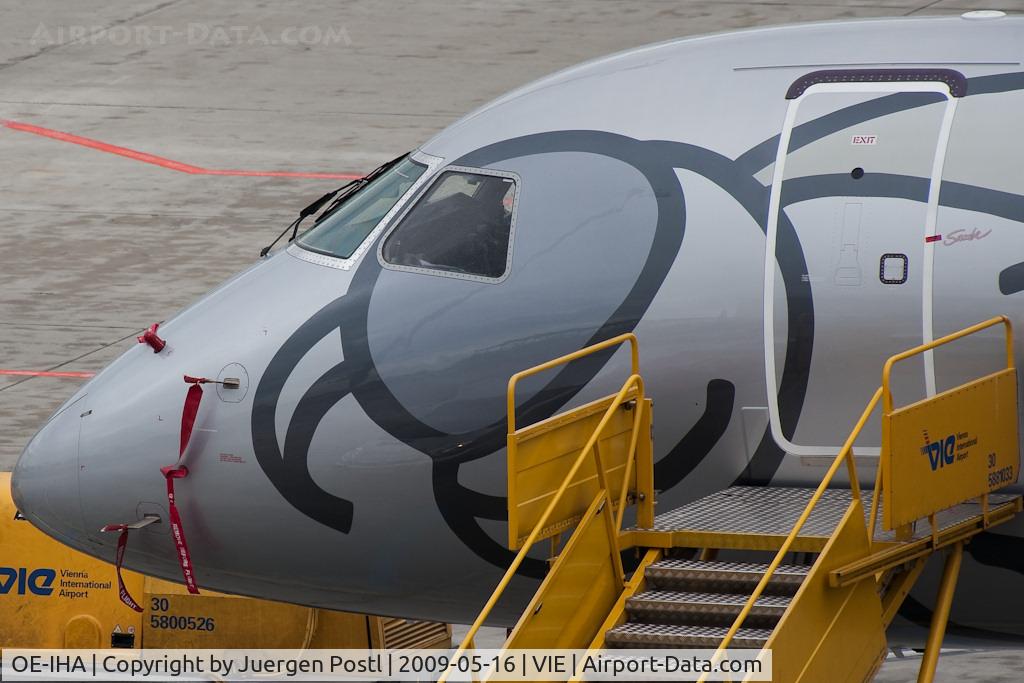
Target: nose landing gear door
854	198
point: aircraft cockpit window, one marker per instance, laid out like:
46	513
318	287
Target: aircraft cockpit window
341	232
462	226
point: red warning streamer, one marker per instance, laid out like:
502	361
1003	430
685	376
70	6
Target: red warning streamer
179	471
176	471
122	545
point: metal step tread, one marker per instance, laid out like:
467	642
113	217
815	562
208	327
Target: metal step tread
688	607
718	599
745	567
758	510
722	577
773	510
635	634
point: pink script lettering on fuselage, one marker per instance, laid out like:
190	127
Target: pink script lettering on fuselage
963	235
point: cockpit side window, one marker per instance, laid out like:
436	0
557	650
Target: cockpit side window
462	226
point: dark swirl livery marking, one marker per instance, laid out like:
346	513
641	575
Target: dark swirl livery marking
657	161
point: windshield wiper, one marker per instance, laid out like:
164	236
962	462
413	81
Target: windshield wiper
305	213
340	196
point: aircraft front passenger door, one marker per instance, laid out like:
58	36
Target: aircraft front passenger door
852	210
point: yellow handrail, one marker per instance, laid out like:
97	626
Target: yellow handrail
917	350
876	496
630	457
634	381
568	358
846	453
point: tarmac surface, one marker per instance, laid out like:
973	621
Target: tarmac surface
101	240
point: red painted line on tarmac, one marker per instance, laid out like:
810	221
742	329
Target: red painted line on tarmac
47	373
171	164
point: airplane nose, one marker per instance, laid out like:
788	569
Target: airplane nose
44	483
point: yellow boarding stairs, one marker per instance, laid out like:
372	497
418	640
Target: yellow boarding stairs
824	621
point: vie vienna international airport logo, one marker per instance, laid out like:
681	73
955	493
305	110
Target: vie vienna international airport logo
21	581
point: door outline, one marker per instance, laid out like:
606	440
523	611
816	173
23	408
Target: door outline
771	233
